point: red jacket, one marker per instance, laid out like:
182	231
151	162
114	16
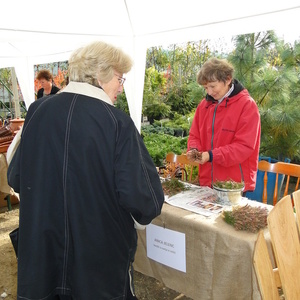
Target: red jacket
231	130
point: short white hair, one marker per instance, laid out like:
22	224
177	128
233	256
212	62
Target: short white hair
97	62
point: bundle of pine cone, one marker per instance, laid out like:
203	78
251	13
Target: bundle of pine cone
249	218
194	154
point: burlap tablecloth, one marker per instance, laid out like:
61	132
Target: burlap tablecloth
219	259
5	189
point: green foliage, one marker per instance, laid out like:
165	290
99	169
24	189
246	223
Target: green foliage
154	106
5	77
250	56
289	56
195	93
185	60
159	144
269	69
156	128
228	217
157	57
157	110
269	84
281	135
173	186
170	79
122	103
178	100
229	185
178	122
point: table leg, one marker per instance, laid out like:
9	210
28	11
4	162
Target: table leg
7	198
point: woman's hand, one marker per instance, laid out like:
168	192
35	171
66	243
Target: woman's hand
204	158
194	155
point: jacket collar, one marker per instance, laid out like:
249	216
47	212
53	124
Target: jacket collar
238	87
86	89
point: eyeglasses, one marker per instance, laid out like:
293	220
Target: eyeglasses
120	79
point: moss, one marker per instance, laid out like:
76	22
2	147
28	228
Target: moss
173	186
229	185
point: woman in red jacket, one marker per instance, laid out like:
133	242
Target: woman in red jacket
226	128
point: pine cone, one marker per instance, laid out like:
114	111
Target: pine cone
194	154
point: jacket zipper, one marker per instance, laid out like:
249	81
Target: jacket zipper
212	143
212	139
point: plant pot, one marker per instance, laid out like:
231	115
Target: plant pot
16	124
233	196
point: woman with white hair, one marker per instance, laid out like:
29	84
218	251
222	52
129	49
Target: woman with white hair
86	182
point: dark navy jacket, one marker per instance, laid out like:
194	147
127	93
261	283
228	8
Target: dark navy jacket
83	174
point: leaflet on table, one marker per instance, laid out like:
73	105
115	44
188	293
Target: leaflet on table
201	200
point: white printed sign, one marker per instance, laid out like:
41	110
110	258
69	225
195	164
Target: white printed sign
166	247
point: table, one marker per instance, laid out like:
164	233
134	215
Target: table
219	259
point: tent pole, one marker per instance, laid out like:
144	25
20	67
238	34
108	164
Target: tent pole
16	93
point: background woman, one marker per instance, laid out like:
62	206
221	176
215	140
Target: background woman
45	79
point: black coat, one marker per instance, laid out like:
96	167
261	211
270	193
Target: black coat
82	171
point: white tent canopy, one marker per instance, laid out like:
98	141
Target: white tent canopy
32	32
